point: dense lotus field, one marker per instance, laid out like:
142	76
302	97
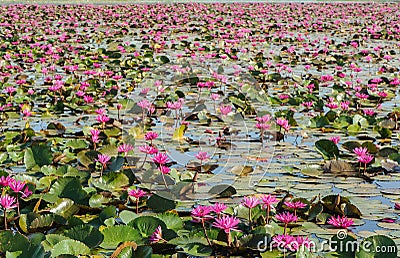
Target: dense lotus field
222	130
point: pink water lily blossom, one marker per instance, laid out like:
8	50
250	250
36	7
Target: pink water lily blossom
360	151
295	205
16	185
283	123
125	148
160	158
148	149
201	212
150	136
225	109
201	155
340	222
227	224
137	193
218	208
8	202
267	201
286	217
5	180
250	202
335	139
157	236
103	159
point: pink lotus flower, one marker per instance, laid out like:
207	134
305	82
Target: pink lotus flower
144	104
125	148
286	217
102	118
262	126
201	212
340	222
268	200
88	99
332	105
137	193
295	205
283	123
345	105
227	223
360	151
362	96
326	78
201	155
10	90
157	236
225	110
218	208
335	139
148	149
95	135
369	112
160	158
26	113
175	105
100	111
5	181
382	94
103	159
283	96
264	119
307	104
164	169
8	202
26	193
365	159
16	186
214	96
250	202
149	136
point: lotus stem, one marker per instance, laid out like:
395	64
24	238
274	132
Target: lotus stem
205	232
5	219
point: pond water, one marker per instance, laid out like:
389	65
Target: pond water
248	65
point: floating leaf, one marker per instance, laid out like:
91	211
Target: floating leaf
223	190
85	234
64	207
71	247
312	171
38	155
160	204
115	235
111	181
146	225
179	133
327	148
12	242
